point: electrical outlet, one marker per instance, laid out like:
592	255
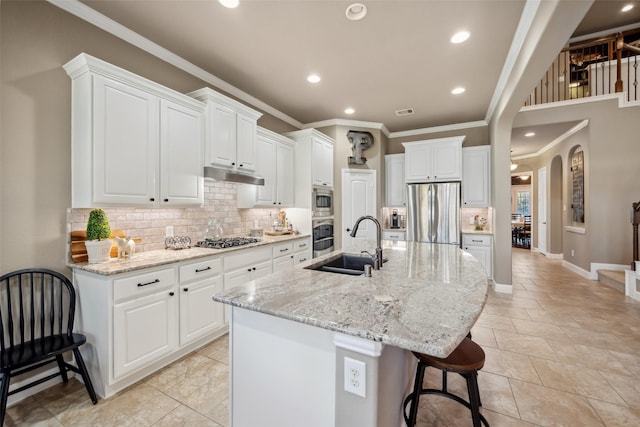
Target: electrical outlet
355	377
168	232
573	253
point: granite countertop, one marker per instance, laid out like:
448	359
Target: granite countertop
141	260
426	297
472	231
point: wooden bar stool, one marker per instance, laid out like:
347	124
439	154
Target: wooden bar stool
467	359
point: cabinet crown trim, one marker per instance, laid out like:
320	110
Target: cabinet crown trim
207	94
266	133
84	63
457	139
308	133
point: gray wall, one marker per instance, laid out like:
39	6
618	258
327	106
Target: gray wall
612	176
35	158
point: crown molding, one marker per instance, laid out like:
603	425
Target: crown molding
346	122
436	129
107	24
558	140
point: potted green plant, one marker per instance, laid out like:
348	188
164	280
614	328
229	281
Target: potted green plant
99	239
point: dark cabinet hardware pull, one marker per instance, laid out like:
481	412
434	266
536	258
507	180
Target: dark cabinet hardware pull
233	163
186	289
302	260
476	241
291	256
248	269
166	200
348	230
148	283
198	270
241	165
302	245
171	294
152	199
254	269
284	250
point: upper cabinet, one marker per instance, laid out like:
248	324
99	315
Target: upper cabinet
275	163
476	173
134	142
434	160
313	161
231	131
395	186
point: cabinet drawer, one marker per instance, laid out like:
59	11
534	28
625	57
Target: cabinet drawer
300	257
281	249
393	235
476	240
200	270
301	245
143	284
244	257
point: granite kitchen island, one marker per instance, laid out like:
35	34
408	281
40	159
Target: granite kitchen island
292	333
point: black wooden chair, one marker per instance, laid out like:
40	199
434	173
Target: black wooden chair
37	308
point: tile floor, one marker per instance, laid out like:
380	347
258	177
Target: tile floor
562	350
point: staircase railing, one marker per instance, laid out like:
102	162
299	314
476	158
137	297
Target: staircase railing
590	68
635	220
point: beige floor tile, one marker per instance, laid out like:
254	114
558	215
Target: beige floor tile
496	394
502	323
510	364
38	416
178	371
554	318
628	387
220	413
539	329
590	357
614	415
525	344
218	349
575	379
507	310
548	407
631	362
185	416
483	336
496	419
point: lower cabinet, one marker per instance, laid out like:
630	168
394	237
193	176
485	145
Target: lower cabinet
480	246
288	254
394	235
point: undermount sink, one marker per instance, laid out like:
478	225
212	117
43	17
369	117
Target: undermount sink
345	264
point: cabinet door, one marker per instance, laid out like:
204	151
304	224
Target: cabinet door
395	187
282	263
199	314
262	269
144	330
483	255
446	161
317	162
125	146
246	141
181	137
327	164
222	135
266	168
284	173
417	163
475	177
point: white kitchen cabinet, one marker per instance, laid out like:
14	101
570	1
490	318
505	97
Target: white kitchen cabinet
313	161
476	176
125	136
322	166
481	247
394	235
395	186
199	314
288	254
230	131
433	160
275	163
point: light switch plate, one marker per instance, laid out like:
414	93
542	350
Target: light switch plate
169	231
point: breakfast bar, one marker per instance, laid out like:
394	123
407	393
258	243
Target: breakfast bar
301	338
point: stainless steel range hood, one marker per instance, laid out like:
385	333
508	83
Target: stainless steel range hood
221	174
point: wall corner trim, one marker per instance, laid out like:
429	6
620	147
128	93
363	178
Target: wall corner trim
358	345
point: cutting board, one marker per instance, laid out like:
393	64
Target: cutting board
277	233
79	250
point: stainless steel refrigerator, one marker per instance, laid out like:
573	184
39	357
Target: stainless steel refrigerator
433	213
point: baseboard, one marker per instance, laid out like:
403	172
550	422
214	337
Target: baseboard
15	398
631	284
584	273
503	289
554	256
595	266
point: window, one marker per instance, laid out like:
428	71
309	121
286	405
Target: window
523	203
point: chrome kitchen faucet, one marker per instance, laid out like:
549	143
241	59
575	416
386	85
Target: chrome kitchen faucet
377	258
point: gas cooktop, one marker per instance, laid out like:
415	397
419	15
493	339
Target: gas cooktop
226	242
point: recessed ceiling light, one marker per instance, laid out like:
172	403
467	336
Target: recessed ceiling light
356	12
529	134
460	36
349	111
231	4
627	8
458	90
313	78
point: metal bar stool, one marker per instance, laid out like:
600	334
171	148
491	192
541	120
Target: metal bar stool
467	359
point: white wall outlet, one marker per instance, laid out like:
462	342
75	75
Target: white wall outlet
471	220
573	253
355	377
168	232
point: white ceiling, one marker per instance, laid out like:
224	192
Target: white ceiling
398	57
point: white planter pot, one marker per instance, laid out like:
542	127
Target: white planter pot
98	250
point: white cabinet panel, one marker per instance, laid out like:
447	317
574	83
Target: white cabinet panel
394	235
199	314
144	331
395	187
222	130
284	174
246	141
322	164
481	247
476	176
434	160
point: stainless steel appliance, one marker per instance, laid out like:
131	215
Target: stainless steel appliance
322	201
322	237
433	213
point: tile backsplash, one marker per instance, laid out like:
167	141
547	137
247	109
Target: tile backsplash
220	201
468	214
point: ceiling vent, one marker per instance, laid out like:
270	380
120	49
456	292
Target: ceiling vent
405	112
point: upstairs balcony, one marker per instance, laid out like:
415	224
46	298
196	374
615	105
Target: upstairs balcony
594	67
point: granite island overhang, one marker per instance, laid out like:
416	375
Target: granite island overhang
297	327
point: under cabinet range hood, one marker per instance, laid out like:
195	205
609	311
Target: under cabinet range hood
221	174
